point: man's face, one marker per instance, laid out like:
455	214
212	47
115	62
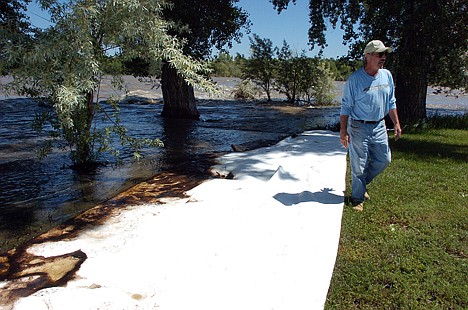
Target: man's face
377	59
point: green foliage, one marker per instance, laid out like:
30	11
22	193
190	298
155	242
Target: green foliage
288	72
260	67
140	67
317	81
12	16
14	26
227	66
343	67
407	250
444	75
204	24
201	25
65	63
112	65
246	90
298	77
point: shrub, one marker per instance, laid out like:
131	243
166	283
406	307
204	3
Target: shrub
245	90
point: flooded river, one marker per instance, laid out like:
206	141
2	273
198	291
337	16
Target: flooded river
36	195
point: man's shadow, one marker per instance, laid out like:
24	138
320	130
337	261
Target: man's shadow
324	196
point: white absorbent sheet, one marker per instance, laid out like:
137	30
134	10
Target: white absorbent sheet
266	239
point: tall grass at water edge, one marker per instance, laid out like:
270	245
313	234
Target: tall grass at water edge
409	248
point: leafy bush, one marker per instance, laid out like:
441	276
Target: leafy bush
227	66
316	83
245	90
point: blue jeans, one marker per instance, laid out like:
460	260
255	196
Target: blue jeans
369	155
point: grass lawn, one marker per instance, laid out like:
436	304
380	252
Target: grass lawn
409	248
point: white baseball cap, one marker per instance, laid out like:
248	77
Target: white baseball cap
376	46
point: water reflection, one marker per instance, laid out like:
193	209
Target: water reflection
178	140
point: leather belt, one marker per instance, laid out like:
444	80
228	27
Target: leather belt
368	122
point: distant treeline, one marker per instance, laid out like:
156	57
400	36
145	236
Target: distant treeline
225	65
300	78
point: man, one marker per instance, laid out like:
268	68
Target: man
368	97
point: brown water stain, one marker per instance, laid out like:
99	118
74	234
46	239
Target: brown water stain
24	273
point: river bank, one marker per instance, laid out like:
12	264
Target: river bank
38	195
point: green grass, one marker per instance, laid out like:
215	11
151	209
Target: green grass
409	248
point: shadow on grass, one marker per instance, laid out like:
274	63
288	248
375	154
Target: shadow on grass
438	137
429	150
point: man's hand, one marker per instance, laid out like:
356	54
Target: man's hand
397	129
344	139
396	123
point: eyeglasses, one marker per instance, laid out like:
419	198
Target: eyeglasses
380	55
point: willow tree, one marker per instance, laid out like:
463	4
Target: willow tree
202	24
430	38
64	63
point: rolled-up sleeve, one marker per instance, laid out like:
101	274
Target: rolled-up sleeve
347	100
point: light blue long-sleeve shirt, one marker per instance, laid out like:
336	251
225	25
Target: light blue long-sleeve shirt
367	97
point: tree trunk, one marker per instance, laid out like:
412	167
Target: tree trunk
179	97
268	90
83	123
410	92
90	107
412	72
